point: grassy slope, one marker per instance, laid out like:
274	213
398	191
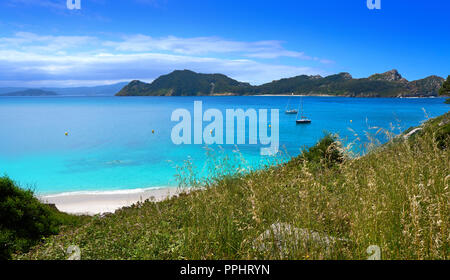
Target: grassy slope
396	197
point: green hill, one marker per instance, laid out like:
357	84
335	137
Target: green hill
322	204
184	83
188	83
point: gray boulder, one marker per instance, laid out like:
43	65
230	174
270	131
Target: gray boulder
281	238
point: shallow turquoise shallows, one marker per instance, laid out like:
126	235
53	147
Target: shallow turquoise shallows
111	145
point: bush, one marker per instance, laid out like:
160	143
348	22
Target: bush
440	128
443	136
24	220
326	151
445	89
325	154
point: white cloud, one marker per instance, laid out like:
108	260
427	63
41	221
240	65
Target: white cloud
31	42
48	60
54	4
204	45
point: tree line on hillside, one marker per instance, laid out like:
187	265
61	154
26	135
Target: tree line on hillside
189	83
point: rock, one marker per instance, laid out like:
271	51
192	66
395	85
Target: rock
345	75
105	215
445	121
281	237
412	132
390	76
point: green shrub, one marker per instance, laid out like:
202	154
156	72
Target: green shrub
442	136
445	89
24	219
326	153
440	128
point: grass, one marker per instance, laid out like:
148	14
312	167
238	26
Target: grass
395	197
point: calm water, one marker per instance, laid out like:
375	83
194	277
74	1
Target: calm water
111	145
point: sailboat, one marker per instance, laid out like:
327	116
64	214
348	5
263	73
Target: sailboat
303	119
290	111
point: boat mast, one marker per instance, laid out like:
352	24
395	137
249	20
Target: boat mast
289	101
298	111
302	106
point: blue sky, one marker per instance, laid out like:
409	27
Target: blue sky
42	43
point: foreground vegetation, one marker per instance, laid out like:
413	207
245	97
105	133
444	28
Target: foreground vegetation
25	221
445	89
320	205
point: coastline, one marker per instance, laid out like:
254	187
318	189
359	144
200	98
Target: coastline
235	95
298	95
101	202
347	96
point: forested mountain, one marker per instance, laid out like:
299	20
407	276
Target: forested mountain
188	83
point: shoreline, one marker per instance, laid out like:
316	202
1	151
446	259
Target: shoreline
101	202
239	95
329	95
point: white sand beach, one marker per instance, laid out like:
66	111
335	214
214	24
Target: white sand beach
92	203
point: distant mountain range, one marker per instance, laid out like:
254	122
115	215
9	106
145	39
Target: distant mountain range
30	92
105	90
189	83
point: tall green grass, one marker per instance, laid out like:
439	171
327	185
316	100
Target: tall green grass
395	197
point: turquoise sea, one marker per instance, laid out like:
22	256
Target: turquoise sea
111	145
